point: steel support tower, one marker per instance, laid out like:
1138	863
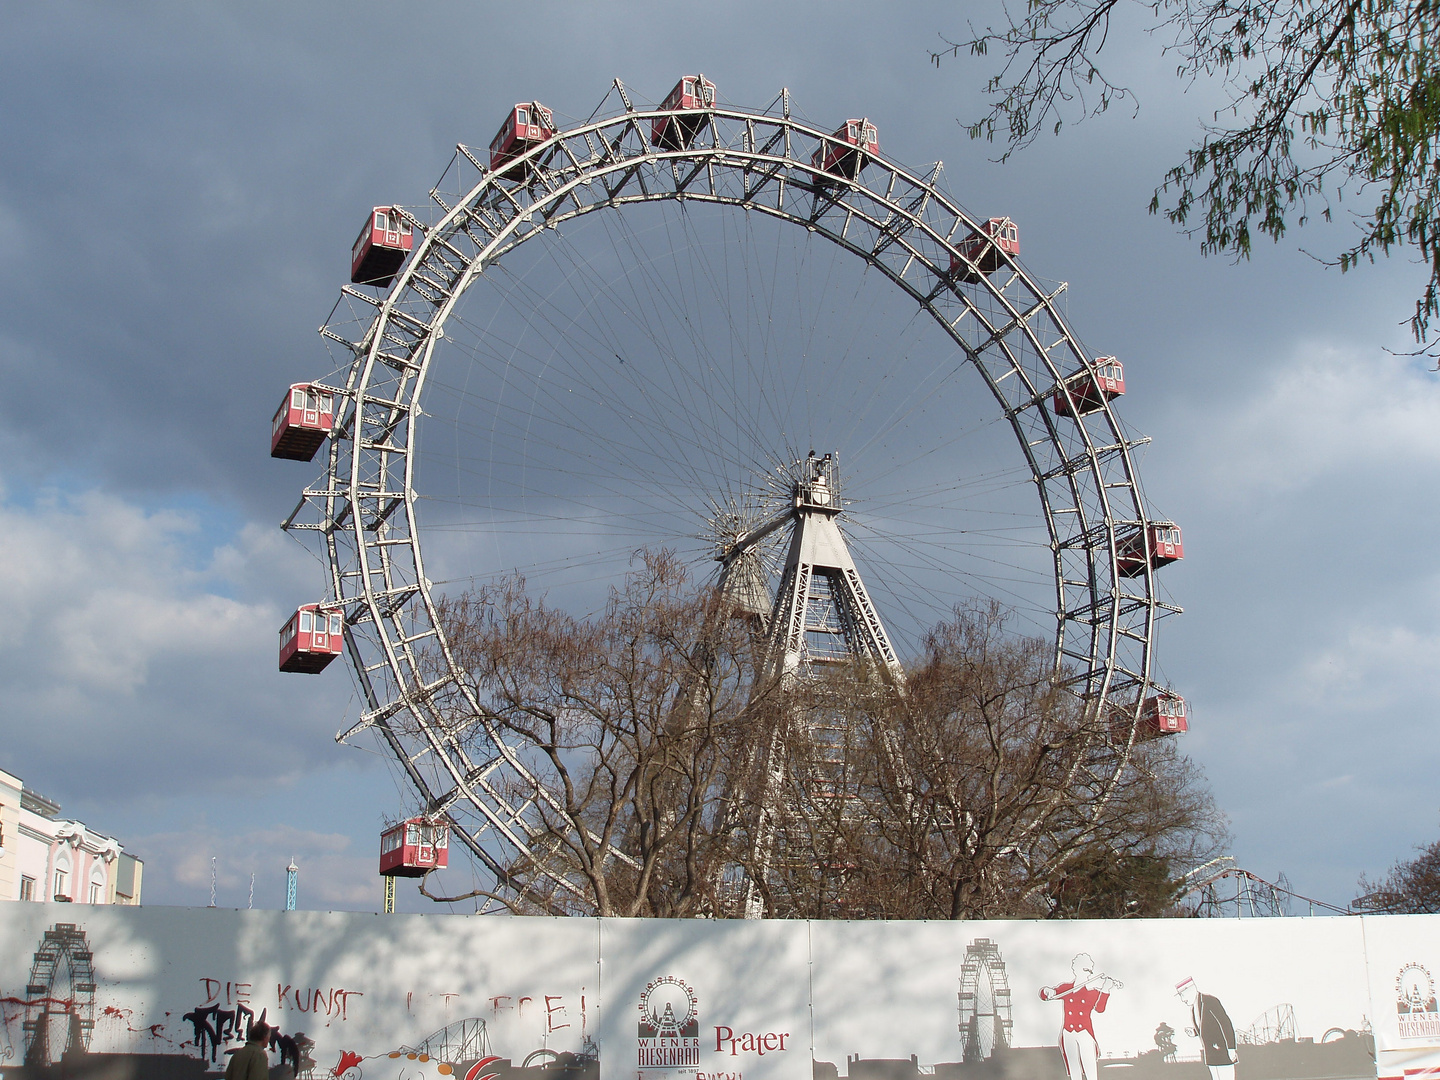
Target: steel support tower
822	615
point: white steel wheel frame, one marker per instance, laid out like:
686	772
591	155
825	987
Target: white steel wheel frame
901	224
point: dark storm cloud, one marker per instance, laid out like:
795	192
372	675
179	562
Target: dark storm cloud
182	184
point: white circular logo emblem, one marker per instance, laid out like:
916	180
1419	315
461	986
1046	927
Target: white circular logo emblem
1414	989
668	1005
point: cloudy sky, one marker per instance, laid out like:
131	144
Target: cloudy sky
179	188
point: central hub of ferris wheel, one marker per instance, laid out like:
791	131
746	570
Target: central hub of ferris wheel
821	612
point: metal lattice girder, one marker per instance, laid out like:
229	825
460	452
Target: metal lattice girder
821	598
821	593
902	224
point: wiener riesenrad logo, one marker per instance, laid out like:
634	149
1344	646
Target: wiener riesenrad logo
1415	1006
669	1025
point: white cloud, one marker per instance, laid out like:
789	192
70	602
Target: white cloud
138	645
1329	411
1309	641
1372	667
332	874
102	585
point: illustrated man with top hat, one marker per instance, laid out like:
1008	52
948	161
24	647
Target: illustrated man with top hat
1211	1023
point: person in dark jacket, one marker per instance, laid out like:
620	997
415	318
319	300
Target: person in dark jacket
251	1061
1212	1024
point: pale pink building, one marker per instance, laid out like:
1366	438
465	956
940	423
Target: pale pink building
46	857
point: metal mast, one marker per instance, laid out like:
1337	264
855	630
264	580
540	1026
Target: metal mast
822	615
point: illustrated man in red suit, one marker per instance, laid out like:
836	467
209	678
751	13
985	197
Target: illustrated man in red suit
1084	995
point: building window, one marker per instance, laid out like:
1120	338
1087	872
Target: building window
61	878
27	888
94	892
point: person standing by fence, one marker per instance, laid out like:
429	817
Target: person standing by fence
251	1061
1211	1023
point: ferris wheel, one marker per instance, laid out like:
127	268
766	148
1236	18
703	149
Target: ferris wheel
712	330
62	987
985	1021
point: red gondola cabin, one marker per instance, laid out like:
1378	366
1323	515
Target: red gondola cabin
301	423
982	253
677	132
529	124
846	152
1160	543
311	639
381	247
1163	714
1091	389
414	848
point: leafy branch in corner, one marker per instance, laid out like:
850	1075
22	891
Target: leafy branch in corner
1324	99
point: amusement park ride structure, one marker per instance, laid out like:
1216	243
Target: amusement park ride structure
1220	888
821	615
408	273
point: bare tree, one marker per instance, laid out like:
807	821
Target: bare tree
1412	887
973	794
969	791
630	721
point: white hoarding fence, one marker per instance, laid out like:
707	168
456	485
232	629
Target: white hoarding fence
168	993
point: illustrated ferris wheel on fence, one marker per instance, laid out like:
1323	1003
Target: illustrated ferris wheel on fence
61	990
984	998
732	334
